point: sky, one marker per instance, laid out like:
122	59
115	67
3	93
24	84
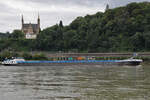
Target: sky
50	11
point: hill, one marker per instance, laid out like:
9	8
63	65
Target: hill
122	29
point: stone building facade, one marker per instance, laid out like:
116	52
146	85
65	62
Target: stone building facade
30	30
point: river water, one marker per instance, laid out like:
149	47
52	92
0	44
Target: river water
75	82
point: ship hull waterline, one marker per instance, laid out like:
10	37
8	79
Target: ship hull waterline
130	63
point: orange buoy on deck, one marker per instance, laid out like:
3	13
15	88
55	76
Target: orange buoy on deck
80	58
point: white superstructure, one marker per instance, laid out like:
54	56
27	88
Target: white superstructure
132	60
12	61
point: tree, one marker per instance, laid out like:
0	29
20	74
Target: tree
120	29
17	34
61	24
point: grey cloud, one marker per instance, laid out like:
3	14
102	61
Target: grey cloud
116	3
7	18
68	2
89	3
10	18
5	9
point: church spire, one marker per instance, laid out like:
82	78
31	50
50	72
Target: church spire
107	7
38	30
22	20
38	16
38	19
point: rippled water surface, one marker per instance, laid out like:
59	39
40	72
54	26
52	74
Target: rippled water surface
75	82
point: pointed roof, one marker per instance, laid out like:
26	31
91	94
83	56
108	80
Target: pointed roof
38	16
22	17
107	7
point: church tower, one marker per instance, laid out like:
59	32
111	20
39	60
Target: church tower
22	20
38	30
38	20
38	25
31	29
107	7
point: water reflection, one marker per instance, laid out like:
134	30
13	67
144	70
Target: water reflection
75	83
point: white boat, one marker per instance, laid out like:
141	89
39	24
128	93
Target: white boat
12	61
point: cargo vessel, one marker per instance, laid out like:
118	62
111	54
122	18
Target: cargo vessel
23	62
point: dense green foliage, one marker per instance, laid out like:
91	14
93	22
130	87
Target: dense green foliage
17	34
25	55
4	35
120	29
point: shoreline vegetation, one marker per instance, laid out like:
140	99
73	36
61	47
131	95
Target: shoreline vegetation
122	29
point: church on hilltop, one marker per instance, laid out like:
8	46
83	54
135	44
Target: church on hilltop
30	30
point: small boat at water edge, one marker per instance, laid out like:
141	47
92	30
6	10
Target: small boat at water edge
23	62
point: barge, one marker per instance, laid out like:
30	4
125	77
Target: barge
23	62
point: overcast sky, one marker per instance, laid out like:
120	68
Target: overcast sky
51	11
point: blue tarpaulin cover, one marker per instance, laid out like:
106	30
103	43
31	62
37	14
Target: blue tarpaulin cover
71	61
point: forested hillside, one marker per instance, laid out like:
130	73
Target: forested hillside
123	29
4	35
